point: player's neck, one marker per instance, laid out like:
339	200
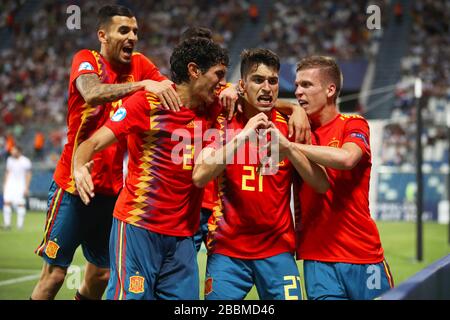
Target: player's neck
250	111
328	113
117	66
188	100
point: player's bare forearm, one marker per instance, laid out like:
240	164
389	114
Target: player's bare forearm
312	173
82	162
298	121
344	158
285	107
94	92
101	139
204	172
211	163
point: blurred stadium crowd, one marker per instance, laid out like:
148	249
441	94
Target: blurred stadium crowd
429	59
34	72
35	68
299	28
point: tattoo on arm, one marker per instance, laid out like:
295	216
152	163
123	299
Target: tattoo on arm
94	92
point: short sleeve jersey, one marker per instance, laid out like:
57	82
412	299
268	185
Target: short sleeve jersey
252	218
337	226
159	194
83	119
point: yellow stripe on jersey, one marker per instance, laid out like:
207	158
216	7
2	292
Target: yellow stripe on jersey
152	99
145	176
217	213
87	112
280	118
350	116
97	59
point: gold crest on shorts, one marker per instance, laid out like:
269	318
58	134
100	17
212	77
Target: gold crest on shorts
136	284
52	249
208	286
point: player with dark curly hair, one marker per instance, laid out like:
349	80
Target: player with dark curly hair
152	248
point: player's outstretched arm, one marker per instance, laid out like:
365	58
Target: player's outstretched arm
298	121
165	92
229	99
95	92
344	158
210	162
82	163
312	173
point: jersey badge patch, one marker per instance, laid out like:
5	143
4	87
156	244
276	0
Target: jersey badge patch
360	136
52	249
136	284
334	143
120	114
85	66
208	285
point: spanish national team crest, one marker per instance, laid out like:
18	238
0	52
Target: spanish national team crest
334	143
208	285
52	249
127	78
136	284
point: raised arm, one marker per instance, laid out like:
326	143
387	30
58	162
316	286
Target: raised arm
298	120
82	162
312	173
345	158
210	162
95	92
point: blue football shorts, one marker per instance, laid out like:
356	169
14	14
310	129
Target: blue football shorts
70	223
202	232
146	265
346	281
275	278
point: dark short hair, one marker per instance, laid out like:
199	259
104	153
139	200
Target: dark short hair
328	68
252	58
18	147
106	13
203	52
191	32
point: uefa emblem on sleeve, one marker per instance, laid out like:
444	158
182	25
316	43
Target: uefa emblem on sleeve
85	66
120	114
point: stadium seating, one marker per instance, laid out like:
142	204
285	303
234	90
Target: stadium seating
34	70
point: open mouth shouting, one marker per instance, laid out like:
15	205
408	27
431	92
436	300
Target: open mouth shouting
265	100
127	51
303	103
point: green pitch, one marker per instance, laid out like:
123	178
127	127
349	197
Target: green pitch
20	267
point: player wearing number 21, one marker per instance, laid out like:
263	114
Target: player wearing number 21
251	233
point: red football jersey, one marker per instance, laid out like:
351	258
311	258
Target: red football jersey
252	218
159	194
210	195
84	119
337	226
